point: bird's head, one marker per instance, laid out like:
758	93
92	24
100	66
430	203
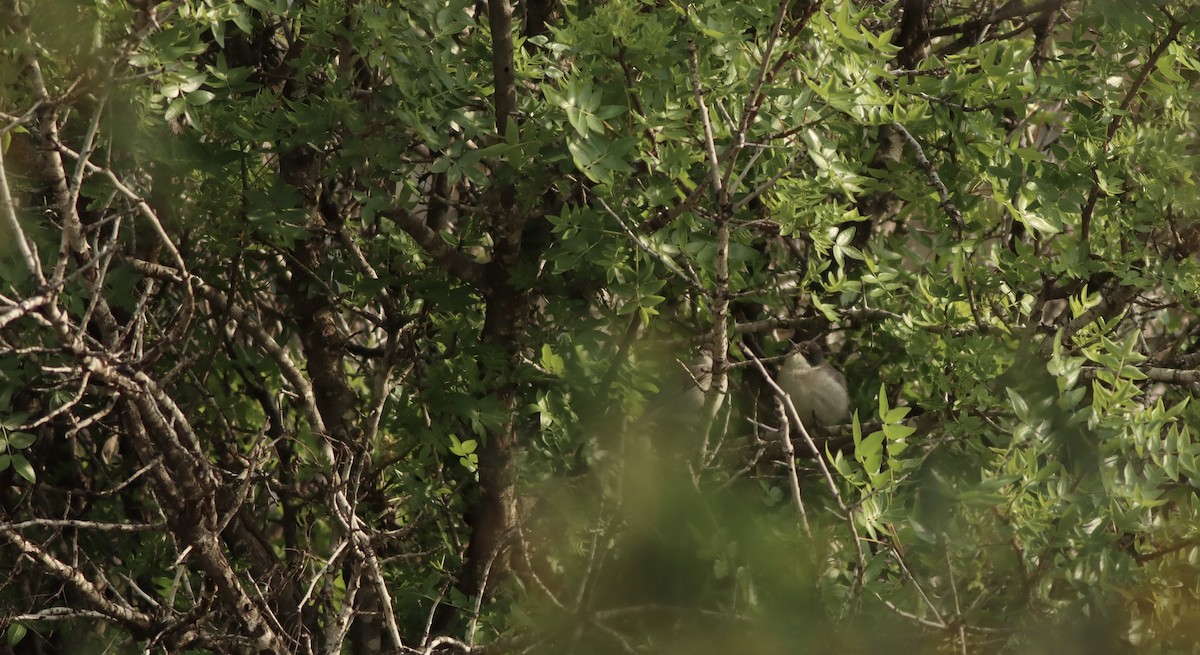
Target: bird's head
807	354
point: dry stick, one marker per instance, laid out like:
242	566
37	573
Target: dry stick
56	614
334	557
719	387
449	641
22	308
913	617
1158	374
487	570
385	597
151	217
962	635
746	168
362	543
904	567
433	610
667	262
149	406
89	147
709	144
17	121
946	204
146	211
131	479
257	332
382	385
524	544
820	459
341	625
83	525
789	453
96	284
10	217
590	569
180	580
73	234
58	411
75	578
345	513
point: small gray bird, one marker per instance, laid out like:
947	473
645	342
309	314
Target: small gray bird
817	389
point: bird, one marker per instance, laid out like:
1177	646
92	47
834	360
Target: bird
817	390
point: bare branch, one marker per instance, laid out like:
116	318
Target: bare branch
946	204
24	245
452	260
90	592
666	262
819	457
83	525
710	148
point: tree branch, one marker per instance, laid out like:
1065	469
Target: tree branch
449	258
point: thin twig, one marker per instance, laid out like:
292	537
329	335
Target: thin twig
82	525
714	166
819	457
946	204
667	262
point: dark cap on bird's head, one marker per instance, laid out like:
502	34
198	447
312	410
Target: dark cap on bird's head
812	351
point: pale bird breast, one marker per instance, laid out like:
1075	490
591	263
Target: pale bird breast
818	393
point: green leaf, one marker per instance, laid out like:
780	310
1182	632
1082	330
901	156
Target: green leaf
19	440
16	632
1032	220
551	361
897	432
1019	405
261	5
23	467
14	420
175	109
869	452
200	98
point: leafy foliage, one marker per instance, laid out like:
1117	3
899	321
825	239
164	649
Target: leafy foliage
359	327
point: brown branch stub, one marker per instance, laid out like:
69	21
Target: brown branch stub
452	260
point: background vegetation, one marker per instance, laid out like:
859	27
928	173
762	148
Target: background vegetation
337	325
